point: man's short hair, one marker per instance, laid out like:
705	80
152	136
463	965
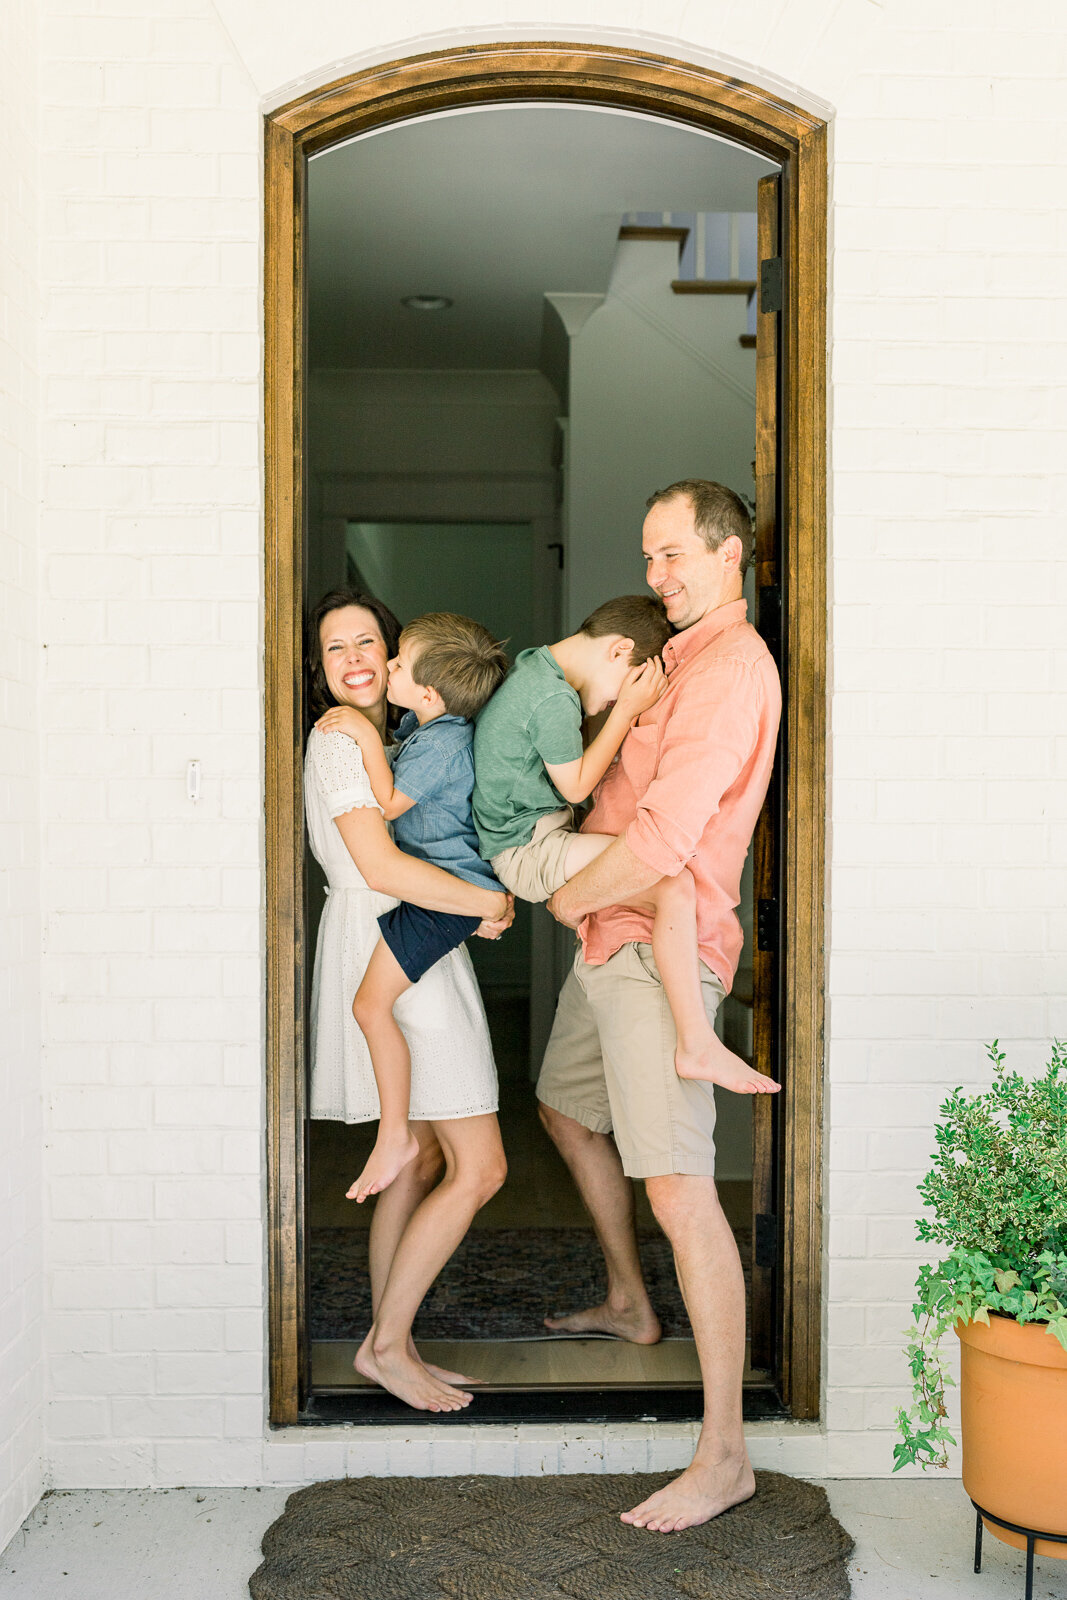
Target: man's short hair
633	616
718	514
456	656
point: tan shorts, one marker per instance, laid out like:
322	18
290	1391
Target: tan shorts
610	1065
534	870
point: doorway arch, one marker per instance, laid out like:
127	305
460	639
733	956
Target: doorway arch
613	78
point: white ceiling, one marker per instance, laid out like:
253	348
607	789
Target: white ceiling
491	207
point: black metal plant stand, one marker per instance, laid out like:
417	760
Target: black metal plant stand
1031	1535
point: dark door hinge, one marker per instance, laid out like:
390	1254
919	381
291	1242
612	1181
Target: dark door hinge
765	1251
770	284
558	548
769	617
767	925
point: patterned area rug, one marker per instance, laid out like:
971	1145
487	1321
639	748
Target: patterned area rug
499	1285
555	1538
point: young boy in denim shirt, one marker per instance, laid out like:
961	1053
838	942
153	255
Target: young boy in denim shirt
445	669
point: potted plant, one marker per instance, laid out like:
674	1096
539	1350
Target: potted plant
997	1189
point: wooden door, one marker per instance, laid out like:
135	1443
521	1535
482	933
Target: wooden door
767	1057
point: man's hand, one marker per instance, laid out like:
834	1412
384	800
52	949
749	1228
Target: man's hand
346	719
563	908
492	929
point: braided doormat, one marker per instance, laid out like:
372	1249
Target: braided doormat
546	1538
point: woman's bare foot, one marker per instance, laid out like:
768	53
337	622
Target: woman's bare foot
457	1379
699	1494
409	1380
711	1062
390	1156
638	1324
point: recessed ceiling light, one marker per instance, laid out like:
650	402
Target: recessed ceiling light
426	302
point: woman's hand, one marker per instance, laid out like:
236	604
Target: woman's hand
492	929
641	688
346	719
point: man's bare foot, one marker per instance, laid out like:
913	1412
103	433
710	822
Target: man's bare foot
699	1494
711	1062
390	1156
409	1380
638	1324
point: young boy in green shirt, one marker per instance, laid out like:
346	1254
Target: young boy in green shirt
530	770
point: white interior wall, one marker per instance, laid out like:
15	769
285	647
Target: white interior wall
660	390
440	427
22	1466
949	607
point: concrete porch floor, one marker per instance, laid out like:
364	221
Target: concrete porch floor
914	1541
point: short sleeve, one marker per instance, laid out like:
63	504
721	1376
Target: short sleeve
418	771
342	777
555	730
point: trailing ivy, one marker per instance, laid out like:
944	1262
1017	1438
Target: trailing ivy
998	1192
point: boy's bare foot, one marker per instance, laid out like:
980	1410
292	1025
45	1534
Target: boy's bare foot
409	1380
699	1494
388	1159
711	1062
638	1324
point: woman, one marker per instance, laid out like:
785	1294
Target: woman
421	1218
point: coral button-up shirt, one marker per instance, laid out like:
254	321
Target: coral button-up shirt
689	782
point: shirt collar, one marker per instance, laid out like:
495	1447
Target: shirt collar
410	725
690	641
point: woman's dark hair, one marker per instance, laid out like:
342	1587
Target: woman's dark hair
319	698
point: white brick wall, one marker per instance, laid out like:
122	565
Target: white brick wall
21	1259
151	560
949	679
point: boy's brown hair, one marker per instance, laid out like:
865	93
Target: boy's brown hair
634	616
456	656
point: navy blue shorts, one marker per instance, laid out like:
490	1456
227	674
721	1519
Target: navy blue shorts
419	938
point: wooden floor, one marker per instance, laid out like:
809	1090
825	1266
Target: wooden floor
530	1364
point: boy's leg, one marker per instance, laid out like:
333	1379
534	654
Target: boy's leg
583	848
700	1052
383	983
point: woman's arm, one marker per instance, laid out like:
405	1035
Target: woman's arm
389	871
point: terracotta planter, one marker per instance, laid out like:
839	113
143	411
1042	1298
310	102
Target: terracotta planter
1014	1403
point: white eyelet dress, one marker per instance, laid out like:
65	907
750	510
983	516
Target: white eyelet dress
452	1069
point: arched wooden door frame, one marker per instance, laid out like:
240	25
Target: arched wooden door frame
499	74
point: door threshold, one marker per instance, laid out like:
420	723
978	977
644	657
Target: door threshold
665	1403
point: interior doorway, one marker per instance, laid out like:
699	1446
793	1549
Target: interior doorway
520	437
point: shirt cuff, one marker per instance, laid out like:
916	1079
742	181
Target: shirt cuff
649	846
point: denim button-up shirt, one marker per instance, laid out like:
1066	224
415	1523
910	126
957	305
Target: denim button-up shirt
434	766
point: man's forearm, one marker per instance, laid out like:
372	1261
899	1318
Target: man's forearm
612	879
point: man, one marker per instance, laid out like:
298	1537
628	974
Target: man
686	790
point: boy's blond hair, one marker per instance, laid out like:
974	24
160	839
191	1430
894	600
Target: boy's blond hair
456	656
633	616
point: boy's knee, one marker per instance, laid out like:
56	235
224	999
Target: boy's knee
362	1009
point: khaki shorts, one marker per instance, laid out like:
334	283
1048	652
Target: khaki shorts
610	1065
535	870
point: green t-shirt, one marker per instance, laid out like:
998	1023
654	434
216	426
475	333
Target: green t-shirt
535	716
